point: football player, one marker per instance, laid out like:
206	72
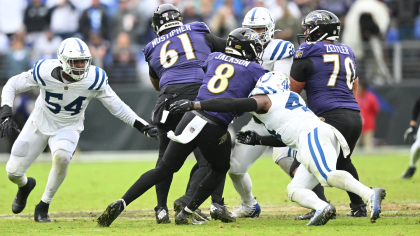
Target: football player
66	85
175	58
289	122
415	148
230	74
327	71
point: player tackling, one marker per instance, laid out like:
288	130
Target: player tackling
66	85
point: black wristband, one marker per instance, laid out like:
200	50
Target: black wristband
6	111
141	127
271	141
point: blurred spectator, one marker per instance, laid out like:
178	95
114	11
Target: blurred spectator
145	32
124	60
289	26
223	21
4	43
190	14
64	19
369	109
11	15
405	12
276	8
45	46
94	19
338	7
36	19
98	48
366	24
17	58
126	20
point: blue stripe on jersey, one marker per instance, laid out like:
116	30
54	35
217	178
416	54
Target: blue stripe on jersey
103	79
96	78
276	49
314	158
253	14
320	150
63	48
283	51
264	90
80	45
37	73
270	88
34	71
289	152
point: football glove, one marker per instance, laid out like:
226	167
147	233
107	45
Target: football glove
7	124
248	137
150	132
180	106
410	132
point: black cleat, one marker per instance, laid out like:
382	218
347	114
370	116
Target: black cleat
182	202
111	213
357	210
183	218
162	215
41	213
321	217
307	216
19	203
220	212
409	173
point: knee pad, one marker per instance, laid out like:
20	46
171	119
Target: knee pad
20	148
290	190
235	177
235	167
61	157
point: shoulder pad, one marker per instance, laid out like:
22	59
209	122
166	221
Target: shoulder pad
199	26
43	68
281	49
310	49
97	78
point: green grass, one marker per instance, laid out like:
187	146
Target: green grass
89	188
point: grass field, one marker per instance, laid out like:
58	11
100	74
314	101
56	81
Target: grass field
90	187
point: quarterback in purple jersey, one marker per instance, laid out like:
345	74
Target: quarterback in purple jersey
230	74
327	71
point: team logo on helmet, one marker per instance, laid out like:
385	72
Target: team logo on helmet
253	36
318	17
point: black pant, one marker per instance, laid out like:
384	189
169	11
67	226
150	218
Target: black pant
349	123
214	142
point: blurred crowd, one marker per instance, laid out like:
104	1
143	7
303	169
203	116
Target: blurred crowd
117	30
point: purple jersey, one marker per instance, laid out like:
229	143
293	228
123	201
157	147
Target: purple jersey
228	77
331	84
178	55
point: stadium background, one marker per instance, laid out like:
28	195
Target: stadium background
117	30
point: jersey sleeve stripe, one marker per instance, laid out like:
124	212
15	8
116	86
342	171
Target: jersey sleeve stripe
96	79
103	79
37	73
34	71
283	51
276	50
270	88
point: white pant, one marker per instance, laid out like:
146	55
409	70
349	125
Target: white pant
415	151
29	145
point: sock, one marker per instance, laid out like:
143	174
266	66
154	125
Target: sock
217	196
42	206
307	198
243	186
193	170
162	191
196	179
343	180
415	154
21	181
57	175
349	167
319	191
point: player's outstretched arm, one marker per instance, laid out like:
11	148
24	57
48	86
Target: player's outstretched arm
251	137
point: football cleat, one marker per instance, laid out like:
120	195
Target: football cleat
41	213
182	202
307	216
111	213
321	217
220	212
183	218
409	173
375	203
248	211
19	203
162	215
357	210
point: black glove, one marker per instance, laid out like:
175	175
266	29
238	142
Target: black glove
248	137
7	124
180	106
149	131
410	132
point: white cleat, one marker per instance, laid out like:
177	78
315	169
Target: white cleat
246	211
375	202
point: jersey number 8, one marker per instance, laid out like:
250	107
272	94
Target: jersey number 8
169	58
222	74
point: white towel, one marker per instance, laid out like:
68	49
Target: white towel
190	132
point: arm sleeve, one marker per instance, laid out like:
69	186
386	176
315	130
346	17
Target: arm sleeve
117	107
215	43
416	110
284	66
271	141
152	72
302	69
17	84
229	104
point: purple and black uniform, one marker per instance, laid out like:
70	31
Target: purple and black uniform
227	76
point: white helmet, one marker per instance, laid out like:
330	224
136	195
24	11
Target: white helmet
271	82
260	17
74	49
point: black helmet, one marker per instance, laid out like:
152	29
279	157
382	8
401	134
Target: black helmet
244	43
165	17
322	25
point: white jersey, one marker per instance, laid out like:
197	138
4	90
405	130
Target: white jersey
278	56
62	105
288	117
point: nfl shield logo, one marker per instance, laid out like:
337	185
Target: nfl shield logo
192	130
